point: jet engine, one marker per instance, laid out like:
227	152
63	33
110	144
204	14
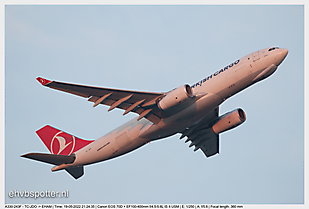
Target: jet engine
229	120
176	97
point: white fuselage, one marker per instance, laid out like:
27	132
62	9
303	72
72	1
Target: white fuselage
211	92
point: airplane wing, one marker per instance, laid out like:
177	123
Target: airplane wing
142	103
202	136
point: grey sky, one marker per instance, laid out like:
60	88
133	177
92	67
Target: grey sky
155	48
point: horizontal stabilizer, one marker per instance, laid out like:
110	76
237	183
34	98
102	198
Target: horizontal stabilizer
76	172
50	158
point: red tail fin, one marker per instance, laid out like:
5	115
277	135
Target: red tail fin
59	142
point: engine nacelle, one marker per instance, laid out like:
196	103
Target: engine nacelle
175	97
229	120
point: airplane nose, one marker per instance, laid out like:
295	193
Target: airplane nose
282	54
285	52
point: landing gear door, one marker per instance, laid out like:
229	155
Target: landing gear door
255	56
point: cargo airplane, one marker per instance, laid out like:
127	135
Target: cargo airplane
192	111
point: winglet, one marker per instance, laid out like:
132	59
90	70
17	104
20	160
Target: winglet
43	81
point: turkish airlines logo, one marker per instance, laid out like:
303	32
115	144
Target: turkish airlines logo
42	81
62	143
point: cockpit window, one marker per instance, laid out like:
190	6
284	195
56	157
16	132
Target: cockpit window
273	48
